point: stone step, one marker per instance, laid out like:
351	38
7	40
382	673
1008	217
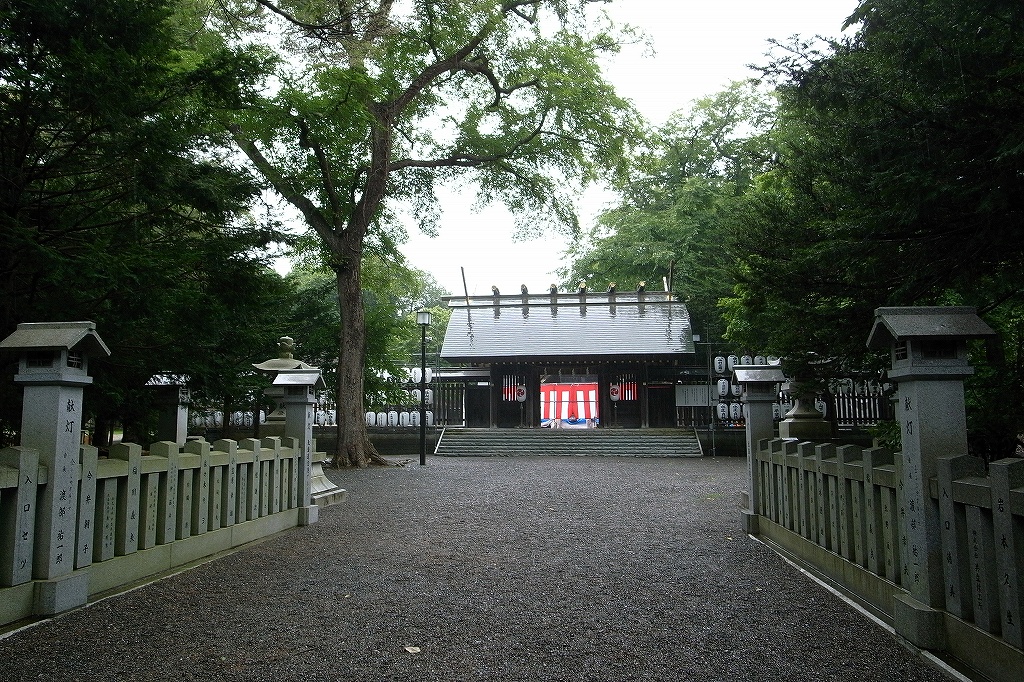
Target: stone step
520	442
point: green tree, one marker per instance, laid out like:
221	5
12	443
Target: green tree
392	292
376	102
114	203
899	182
674	216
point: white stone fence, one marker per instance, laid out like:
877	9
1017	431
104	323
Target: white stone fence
927	538
74	524
141	513
847	501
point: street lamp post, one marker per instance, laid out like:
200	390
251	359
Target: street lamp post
423	320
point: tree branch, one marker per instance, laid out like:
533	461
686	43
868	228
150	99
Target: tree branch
466	160
479	65
291	194
325	171
344	22
457	61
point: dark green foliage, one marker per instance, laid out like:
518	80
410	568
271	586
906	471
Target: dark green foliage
891	174
115	206
900	182
675	213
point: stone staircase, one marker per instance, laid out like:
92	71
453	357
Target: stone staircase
457	442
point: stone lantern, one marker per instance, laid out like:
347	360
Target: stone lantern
53	364
284	361
928	349
172	399
760	391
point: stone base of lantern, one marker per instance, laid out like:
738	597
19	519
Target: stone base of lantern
815	430
322	491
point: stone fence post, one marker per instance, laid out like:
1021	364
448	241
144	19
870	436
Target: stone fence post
760	390
928	347
53	369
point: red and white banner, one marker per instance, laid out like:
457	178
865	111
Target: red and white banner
627	390
570	403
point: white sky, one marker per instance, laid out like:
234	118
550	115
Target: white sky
700	47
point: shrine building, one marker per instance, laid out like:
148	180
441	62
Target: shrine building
569	360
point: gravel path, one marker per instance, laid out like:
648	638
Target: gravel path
487	569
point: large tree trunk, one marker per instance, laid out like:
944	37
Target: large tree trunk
354	447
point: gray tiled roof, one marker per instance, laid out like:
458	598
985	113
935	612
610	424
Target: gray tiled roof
531	327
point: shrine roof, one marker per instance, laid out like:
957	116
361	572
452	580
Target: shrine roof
566	326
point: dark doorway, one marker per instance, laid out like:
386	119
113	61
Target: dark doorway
478	406
661	405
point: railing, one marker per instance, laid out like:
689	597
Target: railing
440	437
848	502
860	403
141	513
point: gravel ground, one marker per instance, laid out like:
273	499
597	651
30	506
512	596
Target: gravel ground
486	569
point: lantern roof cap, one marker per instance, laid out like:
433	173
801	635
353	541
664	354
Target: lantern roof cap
757	374
56	336
281	364
300	377
284	360
933	322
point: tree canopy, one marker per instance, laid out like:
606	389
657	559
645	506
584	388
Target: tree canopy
674	219
374	103
114	203
899	174
886	172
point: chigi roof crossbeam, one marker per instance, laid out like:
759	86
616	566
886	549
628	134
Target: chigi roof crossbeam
566	325
562	299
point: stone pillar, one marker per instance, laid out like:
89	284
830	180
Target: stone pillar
299	400
928	347
53	369
1007	475
172	399
760	391
16	541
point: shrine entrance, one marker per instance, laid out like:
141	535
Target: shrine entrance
570	361
569	402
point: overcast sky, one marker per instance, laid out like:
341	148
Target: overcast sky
700	48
